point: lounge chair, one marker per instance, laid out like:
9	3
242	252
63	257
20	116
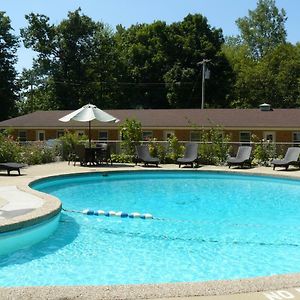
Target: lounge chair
190	155
290	158
143	155
242	157
11	166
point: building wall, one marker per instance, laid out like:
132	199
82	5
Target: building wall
284	136
31	135
183	135
50	134
280	135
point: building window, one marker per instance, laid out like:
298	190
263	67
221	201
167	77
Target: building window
245	137
195	136
269	136
147	135
168	134
103	135
296	138
80	132
22	136
60	133
40	135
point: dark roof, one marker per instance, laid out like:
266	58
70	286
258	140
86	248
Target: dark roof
169	118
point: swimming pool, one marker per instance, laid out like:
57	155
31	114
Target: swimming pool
206	226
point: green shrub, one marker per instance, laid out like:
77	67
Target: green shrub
214	148
37	153
220	145
175	149
68	142
122	158
10	150
31	154
131	132
157	150
264	151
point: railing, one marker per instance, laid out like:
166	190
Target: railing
279	148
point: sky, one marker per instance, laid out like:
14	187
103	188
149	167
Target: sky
220	14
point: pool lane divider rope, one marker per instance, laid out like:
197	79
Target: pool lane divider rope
136	215
111	213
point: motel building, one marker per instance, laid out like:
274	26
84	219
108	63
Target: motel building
275	125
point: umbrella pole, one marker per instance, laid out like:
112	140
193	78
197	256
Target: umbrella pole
90	143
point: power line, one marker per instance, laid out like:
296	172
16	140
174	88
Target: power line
78	83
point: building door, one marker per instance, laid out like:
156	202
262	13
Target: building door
40	135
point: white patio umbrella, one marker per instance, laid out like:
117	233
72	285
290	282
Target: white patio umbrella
88	113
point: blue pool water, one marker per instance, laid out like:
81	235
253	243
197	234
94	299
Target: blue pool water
209	226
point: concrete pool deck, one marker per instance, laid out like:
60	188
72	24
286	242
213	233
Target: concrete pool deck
20	205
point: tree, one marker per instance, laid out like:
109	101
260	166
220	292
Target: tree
161	62
37	92
264	28
266	68
147	65
8	47
142	49
76	58
179	88
190	41
281	76
274	79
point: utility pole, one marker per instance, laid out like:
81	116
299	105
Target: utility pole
203	63
31	92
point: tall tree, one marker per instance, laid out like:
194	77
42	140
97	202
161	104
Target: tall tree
143	52
147	65
191	41
264	28
274	79
37	91
280	76
162	63
77	56
8	58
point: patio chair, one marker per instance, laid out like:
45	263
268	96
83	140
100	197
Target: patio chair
242	157
103	153
11	166
143	155
80	155
190	155
290	158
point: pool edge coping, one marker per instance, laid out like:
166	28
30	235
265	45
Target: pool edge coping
52	206
229	288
